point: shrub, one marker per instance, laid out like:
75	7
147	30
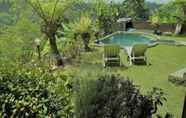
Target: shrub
34	93
71	48
113	96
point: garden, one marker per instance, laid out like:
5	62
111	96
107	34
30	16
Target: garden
92	59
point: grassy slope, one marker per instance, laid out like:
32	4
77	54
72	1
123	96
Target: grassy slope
164	60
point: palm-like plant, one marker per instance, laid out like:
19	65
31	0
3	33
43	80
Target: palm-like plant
83	27
51	14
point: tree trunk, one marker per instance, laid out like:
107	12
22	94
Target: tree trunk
55	51
39	52
184	108
178	28
86	38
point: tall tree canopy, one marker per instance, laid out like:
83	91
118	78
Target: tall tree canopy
135	9
172	12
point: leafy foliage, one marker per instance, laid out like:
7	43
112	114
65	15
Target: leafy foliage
114	97
72	45
84	25
136	9
51	14
107	15
35	93
83	28
172	12
16	41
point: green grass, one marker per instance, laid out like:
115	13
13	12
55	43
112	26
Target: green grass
164	60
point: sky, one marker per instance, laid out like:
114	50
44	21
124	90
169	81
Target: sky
159	1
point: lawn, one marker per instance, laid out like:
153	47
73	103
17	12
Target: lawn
163	60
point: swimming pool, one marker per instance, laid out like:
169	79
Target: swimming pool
129	39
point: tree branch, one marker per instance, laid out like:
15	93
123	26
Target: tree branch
54	10
38	9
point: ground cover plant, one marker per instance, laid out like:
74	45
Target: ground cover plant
34	93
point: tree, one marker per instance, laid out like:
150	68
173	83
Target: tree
51	14
107	15
136	9
172	12
180	14
83	28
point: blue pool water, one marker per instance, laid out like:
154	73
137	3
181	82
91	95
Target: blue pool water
128	39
